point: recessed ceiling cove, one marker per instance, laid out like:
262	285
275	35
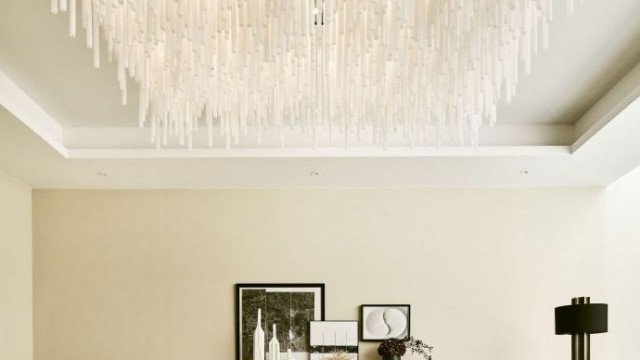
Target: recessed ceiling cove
415	72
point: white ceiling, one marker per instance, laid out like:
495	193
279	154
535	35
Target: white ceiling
77	128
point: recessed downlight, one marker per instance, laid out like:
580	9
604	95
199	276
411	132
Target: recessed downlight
524	172
314	173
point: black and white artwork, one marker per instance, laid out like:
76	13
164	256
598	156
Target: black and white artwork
381	322
274	318
333	340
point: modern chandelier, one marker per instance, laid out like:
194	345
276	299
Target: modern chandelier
385	69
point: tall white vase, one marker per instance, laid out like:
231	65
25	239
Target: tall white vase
274	346
258	339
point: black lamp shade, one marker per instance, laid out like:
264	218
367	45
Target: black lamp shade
581	319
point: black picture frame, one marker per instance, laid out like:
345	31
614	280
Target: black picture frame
363	336
240	286
353	349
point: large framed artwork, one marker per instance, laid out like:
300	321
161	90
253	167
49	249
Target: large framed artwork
274	318
333	340
382	322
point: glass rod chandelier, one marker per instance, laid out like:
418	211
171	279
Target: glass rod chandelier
409	69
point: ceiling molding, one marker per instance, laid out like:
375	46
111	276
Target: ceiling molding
611	153
100	141
31	114
363	152
605	110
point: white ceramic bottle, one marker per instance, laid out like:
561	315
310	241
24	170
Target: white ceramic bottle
274	346
258	339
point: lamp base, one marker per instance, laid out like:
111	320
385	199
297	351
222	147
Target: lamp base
580	343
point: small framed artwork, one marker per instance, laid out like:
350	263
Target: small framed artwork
382	322
275	318
333	340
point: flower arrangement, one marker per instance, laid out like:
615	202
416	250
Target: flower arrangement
398	347
392	347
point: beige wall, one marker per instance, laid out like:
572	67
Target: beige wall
622	261
149	274
16	314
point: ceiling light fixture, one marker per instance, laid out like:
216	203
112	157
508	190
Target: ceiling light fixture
424	72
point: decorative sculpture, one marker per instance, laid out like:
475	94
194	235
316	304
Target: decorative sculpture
258	339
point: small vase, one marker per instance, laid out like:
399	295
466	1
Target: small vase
391	357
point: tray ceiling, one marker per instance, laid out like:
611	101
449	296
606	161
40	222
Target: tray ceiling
577	87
